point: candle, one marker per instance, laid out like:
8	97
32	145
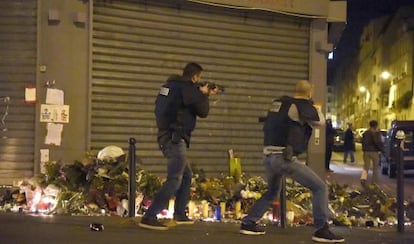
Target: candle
290	216
205	208
223	209
217	213
238	210
191	206
171	207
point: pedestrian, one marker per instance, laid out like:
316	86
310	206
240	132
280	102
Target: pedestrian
180	101
349	144
372	146
330	135
287	129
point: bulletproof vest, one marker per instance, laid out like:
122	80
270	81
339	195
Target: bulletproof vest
168	106
280	130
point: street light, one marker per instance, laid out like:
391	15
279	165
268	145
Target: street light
385	75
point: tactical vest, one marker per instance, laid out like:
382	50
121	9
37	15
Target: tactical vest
168	105
174	119
280	130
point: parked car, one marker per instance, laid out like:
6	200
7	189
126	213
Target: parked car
389	161
358	134
338	141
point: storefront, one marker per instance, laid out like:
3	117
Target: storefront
109	58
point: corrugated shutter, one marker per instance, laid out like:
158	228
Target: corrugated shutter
18	20
256	55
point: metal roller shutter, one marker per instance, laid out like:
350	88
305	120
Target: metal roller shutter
136	45
17	68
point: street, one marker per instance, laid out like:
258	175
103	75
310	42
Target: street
349	174
28	229
32	228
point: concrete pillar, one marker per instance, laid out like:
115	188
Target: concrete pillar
63	57
319	49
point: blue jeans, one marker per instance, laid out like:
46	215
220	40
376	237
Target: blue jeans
178	181
275	167
351	154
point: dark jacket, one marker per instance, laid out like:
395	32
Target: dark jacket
371	141
330	135
349	140
177	106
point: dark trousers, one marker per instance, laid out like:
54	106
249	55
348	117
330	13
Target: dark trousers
328	155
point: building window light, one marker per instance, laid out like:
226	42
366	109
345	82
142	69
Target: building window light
391	96
330	55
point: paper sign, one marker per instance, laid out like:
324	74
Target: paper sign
54	96
44	157
54	113
54	134
30	94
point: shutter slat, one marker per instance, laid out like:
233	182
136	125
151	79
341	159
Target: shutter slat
17	68
256	55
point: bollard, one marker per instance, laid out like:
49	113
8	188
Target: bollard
400	136
283	202
132	185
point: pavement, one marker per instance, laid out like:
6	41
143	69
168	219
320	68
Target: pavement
21	228
349	174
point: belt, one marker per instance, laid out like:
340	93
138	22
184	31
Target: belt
273	150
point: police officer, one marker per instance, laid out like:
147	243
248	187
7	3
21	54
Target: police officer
287	130
180	101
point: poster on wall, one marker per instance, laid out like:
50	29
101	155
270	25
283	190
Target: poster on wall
54	134
54	113
30	94
54	96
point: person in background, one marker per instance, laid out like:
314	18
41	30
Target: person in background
330	135
371	147
287	130
349	144
180	101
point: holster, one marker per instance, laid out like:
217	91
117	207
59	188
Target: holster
175	137
288	153
163	138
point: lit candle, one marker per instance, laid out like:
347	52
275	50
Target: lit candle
217	213
290	217
223	209
238	210
171	207
191	206
205	208
276	211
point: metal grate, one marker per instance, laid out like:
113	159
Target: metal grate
136	45
18	20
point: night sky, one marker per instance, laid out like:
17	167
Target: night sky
359	12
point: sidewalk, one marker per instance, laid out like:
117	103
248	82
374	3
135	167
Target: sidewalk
22	229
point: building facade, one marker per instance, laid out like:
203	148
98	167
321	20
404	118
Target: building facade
378	83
